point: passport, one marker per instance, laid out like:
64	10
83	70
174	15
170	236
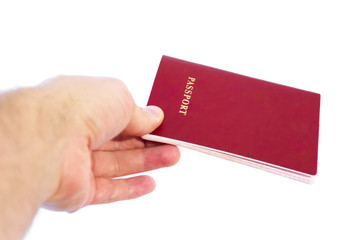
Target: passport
239	118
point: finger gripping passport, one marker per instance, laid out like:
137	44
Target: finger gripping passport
255	122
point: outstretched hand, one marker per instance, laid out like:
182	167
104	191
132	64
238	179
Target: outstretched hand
107	145
65	143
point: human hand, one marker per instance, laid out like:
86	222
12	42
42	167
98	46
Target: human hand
103	143
84	133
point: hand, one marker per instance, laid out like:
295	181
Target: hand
104	109
69	139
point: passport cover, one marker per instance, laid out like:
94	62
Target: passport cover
239	118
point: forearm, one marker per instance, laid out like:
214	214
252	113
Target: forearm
21	155
18	205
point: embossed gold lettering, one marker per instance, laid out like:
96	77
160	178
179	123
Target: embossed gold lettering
185	101
189	88
187	96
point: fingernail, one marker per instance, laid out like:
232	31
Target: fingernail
155	112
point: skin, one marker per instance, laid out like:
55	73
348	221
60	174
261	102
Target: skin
64	143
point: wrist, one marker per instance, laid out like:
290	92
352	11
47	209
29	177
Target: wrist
33	133
19	193
29	141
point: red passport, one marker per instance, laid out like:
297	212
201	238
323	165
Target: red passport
239	118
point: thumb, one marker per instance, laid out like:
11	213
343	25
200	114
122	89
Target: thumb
144	120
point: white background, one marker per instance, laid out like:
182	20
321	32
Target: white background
312	45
